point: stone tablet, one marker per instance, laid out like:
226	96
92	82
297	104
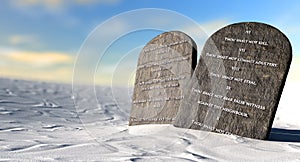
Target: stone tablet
238	82
164	66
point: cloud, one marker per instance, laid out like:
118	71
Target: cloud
24	39
58	74
35	59
49	5
54	4
47	66
57	10
92	2
40	2
294	71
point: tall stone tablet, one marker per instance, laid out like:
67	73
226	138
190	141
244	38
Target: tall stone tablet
238	82
164	66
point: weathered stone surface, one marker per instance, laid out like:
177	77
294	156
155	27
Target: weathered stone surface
238	82
164	66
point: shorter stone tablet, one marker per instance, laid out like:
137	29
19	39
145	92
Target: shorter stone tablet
164	66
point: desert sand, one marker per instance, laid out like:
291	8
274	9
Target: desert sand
39	122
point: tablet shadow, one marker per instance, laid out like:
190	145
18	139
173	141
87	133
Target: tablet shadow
284	135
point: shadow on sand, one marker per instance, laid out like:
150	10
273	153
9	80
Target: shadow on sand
284	135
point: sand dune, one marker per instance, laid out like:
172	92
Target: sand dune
39	122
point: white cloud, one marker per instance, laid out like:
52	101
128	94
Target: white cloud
92	2
294	71
60	10
59	4
12	57
24	39
47	66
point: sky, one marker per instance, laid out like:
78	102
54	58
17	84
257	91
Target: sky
41	39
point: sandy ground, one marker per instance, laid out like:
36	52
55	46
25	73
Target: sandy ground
39	122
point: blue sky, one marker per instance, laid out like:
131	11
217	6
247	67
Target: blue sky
40	38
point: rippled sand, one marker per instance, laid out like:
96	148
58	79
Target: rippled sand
39	122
